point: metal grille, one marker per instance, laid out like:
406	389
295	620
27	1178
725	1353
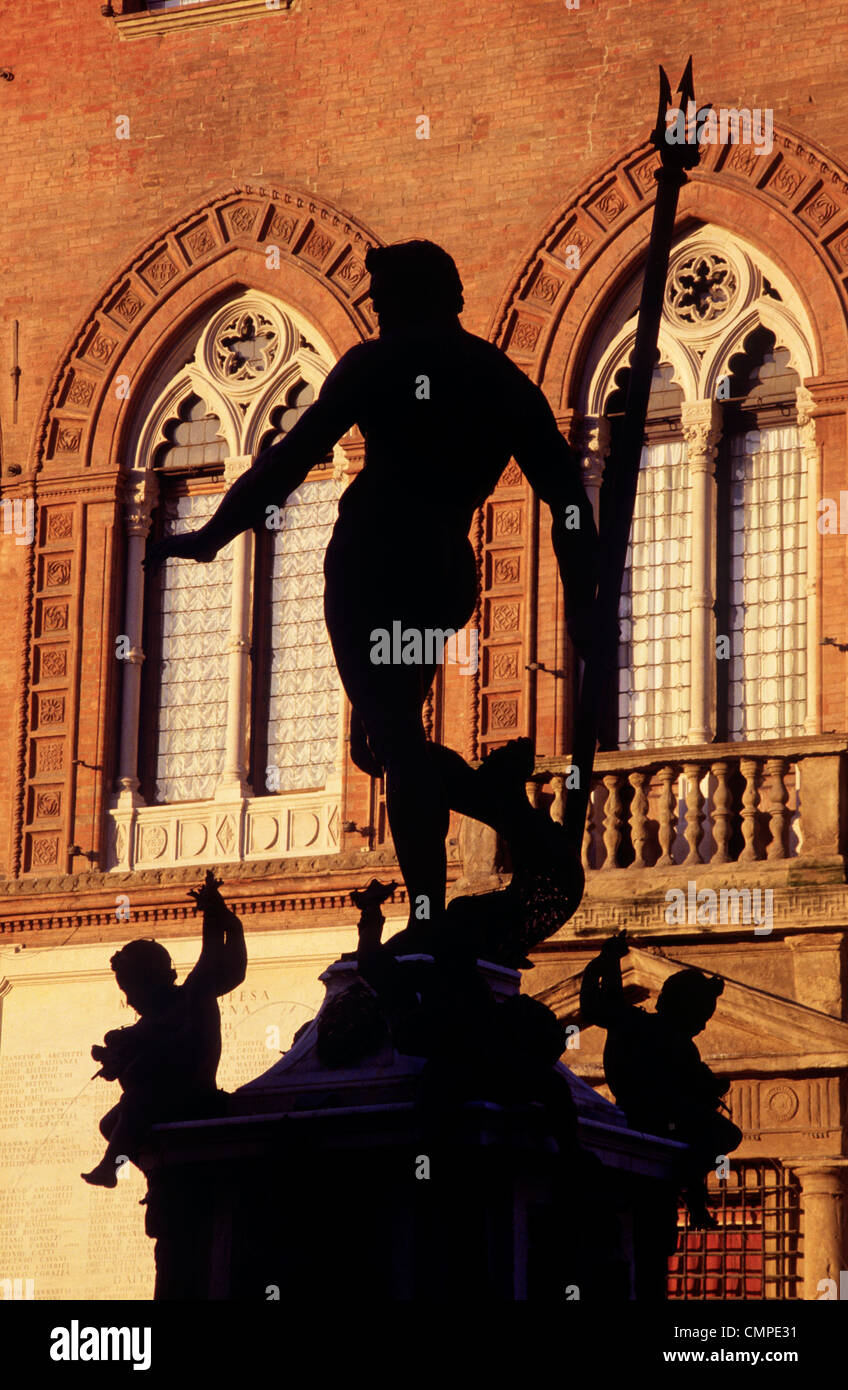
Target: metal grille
756	1251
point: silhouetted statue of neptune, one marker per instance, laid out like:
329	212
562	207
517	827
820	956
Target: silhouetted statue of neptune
442	412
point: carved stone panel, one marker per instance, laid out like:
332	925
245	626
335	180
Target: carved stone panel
788	1116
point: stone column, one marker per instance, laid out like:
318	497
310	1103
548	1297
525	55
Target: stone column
232	781
593	446
142	499
701	421
142	496
811	454
348	460
824	1223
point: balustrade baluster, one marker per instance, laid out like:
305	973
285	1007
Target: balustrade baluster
692	773
750	802
612	820
639	817
778	815
668	814
721	814
588	834
558	803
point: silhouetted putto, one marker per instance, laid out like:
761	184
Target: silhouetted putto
654	1069
167	1062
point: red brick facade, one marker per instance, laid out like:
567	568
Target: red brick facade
297	127
300	126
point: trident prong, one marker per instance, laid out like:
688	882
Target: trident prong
658	135
687	86
677	156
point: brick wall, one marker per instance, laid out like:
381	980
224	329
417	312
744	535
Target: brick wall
528	101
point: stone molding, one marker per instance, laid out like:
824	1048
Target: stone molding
231	827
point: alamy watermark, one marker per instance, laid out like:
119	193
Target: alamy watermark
828	1288
727	126
727	906
19	519
428	646
76	1343
832	518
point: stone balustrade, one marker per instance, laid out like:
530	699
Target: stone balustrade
708	804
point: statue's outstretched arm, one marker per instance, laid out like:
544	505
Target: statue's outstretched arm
222	963
602	990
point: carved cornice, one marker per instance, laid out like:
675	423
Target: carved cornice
793	907
773	1019
829	396
800	746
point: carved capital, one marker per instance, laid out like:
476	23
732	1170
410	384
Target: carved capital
593	444
141	497
701	425
235	466
806	419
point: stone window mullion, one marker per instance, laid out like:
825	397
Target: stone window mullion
701	422
143	499
138	519
233	777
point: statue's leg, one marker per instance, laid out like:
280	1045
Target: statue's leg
414	594
109	1121
493	793
387	734
374	584
416	799
122	1145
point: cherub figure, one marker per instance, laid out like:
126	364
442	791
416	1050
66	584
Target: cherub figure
442	412
654	1069
166	1062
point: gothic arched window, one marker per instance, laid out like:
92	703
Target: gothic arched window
714	633
231	739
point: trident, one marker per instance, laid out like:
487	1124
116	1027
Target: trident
602	665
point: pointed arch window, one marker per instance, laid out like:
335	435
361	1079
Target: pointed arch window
236	709
716	640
